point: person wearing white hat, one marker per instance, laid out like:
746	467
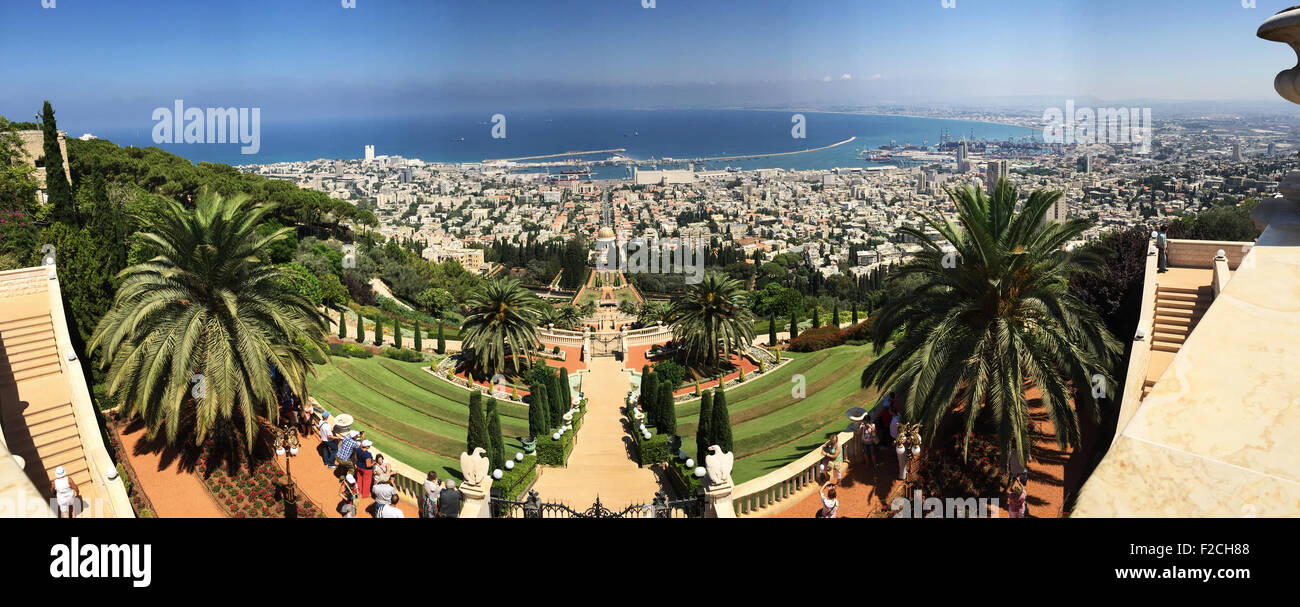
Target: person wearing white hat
347	445
348	507
65	492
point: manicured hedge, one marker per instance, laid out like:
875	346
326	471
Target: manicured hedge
551	452
404	355
823	338
515	482
652	451
350	351
682	478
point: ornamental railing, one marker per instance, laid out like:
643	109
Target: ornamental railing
764	491
661	507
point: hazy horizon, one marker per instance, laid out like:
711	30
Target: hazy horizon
112	62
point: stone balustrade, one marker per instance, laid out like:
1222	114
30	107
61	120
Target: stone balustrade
754	495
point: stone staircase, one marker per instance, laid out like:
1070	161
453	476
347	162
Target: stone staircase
36	411
1178	310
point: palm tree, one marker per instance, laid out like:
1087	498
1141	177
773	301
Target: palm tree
195	331
975	324
502	320
651	312
711	311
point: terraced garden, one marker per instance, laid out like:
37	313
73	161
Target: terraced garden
419	419
770	427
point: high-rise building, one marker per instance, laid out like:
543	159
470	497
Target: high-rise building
370	153
1085	163
994	171
1236	151
1059	211
338	169
1272	148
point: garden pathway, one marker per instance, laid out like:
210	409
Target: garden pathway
320	485
602	463
172	486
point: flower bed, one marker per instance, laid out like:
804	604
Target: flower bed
945	473
250	490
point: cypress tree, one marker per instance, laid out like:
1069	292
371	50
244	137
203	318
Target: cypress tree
720	425
494	435
361	328
855	313
816	317
397	333
442	343
835	315
58	189
343	324
771	330
566	390
477	434
379	330
702	437
558	408
541	406
667	410
649	395
419	345
645	371
794	325
539	417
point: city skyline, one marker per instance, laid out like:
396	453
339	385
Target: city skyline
312	60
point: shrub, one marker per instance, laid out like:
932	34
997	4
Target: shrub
653	451
816	339
551	452
404	355
515	482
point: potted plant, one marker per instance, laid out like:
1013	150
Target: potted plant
530	444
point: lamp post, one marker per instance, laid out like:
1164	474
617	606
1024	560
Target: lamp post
908	446
286	443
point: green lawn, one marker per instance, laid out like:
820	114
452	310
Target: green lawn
419	419
770	427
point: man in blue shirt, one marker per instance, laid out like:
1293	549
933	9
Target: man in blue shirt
346	445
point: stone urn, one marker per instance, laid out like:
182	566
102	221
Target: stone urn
530	444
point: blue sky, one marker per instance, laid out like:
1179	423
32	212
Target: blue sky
104	62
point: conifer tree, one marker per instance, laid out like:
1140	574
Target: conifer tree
720	425
59	191
419	343
477	433
539	417
667	409
649	395
494	435
343	324
702	436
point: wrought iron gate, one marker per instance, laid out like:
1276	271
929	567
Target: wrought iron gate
660	507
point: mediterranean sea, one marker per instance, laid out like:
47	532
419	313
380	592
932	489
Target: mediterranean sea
644	134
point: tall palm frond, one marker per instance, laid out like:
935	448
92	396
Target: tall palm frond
198	328
502	321
980	324
712	314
